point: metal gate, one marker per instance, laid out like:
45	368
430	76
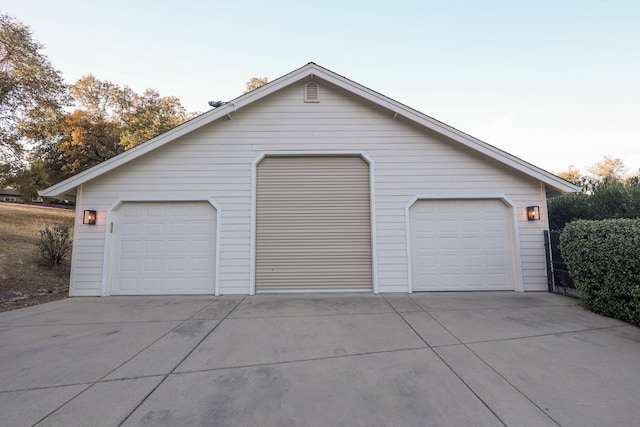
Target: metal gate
558	277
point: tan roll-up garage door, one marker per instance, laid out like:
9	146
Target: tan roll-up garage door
313	224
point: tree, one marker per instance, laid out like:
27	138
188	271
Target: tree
101	98
609	168
28	179
571	174
108	120
148	116
605	199
255	83
28	84
86	141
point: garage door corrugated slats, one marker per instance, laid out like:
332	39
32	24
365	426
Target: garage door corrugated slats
313	224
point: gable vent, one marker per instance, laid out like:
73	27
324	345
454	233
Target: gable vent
312	92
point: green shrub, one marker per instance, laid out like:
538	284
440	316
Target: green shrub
604	261
54	243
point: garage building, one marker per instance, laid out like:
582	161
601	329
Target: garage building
311	183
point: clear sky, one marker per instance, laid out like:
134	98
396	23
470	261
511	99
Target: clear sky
556	83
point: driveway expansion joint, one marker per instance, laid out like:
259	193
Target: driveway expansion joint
312	359
46	387
546	335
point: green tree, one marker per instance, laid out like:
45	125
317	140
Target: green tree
602	200
255	83
28	84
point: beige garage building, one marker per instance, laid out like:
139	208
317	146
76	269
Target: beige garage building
309	183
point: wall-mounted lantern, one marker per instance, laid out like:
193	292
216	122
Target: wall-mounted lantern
533	213
89	217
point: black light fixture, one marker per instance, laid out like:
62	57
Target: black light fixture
89	217
533	213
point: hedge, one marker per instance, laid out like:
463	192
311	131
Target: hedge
604	261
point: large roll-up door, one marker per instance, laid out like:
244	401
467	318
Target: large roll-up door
461	245
313	224
164	248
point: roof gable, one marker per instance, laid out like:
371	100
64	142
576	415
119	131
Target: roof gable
312	70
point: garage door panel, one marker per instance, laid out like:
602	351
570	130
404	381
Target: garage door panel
151	284
128	285
496	243
199	264
473	261
175	283
158	250
129	247
201	284
461	244
177	265
153	230
471	243
131	230
152	265
450	280
178	247
473	280
129	265
179	229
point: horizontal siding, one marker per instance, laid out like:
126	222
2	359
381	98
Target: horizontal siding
215	162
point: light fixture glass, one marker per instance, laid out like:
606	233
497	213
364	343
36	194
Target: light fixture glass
89	217
533	213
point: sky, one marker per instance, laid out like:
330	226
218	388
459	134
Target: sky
556	83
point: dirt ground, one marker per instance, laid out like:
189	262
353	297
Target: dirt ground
25	279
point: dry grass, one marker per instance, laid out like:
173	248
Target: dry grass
24	278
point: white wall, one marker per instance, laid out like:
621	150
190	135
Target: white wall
215	162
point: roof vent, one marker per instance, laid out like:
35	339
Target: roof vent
312	92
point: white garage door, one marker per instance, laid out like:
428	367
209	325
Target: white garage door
163	248
461	245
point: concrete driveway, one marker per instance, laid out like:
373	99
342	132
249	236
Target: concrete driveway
498	358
